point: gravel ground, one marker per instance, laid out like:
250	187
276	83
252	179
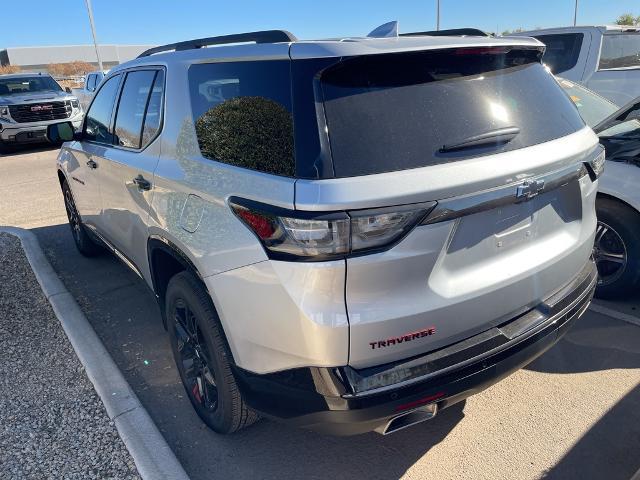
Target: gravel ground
52	422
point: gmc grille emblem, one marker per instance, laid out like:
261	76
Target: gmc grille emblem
37	108
529	189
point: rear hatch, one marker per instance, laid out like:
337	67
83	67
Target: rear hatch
465	127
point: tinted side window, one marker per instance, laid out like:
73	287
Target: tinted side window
242	114
97	125
91	83
132	106
620	51
562	51
154	110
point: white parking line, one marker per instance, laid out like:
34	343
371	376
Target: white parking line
609	312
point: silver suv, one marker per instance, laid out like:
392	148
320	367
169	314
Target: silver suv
346	235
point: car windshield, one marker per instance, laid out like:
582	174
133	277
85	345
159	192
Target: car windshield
592	107
28	84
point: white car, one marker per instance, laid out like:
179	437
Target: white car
605	59
617	245
91	84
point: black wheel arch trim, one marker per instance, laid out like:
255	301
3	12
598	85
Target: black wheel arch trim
613	198
158	242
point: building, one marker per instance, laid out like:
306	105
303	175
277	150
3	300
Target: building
37	59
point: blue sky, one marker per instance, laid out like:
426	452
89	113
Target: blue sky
64	22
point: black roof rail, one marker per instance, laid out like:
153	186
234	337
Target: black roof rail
265	36
452	32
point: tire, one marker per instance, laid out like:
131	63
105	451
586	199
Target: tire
202	356
617	249
4	148
84	243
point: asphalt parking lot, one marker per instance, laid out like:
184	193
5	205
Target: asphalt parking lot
573	413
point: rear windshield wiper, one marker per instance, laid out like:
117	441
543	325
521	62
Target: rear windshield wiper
494	137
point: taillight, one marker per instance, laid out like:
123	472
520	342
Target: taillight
311	236
596	166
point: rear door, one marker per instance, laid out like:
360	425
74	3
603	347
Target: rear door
84	170
128	167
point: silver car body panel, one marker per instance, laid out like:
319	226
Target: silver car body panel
279	315
621	180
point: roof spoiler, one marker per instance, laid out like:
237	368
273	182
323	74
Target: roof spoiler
265	36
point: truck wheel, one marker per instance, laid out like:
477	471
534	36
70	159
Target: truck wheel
84	243
4	148
617	249
202	356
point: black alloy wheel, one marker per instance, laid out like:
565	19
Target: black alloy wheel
194	358
202	355
616	249
86	245
610	254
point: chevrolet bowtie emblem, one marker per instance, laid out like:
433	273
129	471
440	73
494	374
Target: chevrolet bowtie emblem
529	189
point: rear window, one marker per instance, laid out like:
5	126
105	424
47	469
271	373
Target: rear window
242	114
562	51
620	51
395	112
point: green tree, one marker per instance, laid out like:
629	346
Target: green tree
628	19
509	32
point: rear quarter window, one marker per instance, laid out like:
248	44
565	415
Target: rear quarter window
620	51
562	52
242	114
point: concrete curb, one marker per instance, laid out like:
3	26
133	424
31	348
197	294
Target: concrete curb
151	453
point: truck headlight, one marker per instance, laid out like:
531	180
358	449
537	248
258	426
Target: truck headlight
4	111
75	103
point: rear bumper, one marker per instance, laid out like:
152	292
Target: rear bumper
345	401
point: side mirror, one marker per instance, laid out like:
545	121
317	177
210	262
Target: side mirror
61	132
67	89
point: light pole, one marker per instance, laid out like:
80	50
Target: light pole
575	14
93	32
438	14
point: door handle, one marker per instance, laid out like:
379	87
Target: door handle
92	164
142	183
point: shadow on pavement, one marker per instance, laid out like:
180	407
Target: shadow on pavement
124	313
595	342
28	148
588	460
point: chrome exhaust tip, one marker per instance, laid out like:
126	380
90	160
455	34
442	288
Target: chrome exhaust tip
408	419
